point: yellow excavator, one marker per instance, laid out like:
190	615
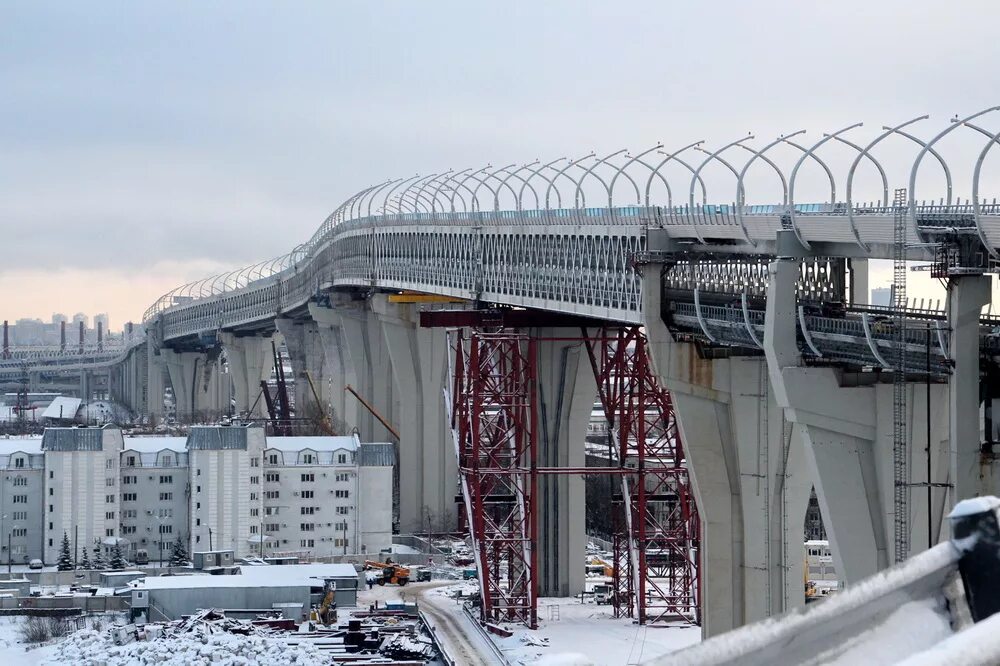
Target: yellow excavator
389	572
327	611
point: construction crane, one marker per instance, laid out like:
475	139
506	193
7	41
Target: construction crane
374	412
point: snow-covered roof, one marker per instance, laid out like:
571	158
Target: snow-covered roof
322	443
62	408
288	575
155	444
20	444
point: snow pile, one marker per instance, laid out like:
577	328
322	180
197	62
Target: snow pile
565	659
200	646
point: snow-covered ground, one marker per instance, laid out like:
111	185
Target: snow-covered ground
15	653
573	634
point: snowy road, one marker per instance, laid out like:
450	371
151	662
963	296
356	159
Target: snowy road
458	638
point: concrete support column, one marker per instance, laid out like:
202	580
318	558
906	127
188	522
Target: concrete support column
369	357
428	471
181	367
748	473
567	390
848	437
194	377
966	297
156	368
250	361
305	351
339	370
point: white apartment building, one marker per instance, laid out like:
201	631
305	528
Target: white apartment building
81	487
221	487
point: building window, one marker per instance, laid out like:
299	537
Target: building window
342	510
166	529
198	505
340	542
129	480
169	478
253	497
51	525
109	515
254	480
20	515
341	493
307	459
271	527
128	529
168	461
109	499
272	459
270	511
18	462
50	543
130	461
52	491
271	477
128	497
197	538
52	508
253	529
166	497
270	494
109	532
342	458
255	512
255	462
20	531
308	478
166	513
307	527
304	543
109	463
129	513
20	499
109	482
20	481
343	477
307	510
52	474
307	494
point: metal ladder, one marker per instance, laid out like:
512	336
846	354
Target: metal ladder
901	479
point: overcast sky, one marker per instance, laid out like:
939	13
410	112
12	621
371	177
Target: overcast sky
146	144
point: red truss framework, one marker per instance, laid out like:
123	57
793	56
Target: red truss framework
658	546
493	411
494	422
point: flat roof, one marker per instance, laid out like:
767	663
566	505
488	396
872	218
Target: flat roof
288	575
22	444
314	443
155	444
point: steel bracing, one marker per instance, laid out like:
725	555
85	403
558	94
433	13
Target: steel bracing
494	414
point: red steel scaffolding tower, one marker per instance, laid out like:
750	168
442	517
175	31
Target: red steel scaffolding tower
493	411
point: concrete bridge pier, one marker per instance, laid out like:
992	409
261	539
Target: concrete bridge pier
305	351
198	384
428	471
156	368
748	474
361	331
249	360
567	390
338	370
126	382
848	435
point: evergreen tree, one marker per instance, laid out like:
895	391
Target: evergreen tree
118	561
65	562
85	560
178	555
99	562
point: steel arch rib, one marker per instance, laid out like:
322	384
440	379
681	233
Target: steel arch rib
474	202
622	172
502	183
920	157
711	156
538	172
857	160
562	172
795	172
517	197
976	210
579	195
